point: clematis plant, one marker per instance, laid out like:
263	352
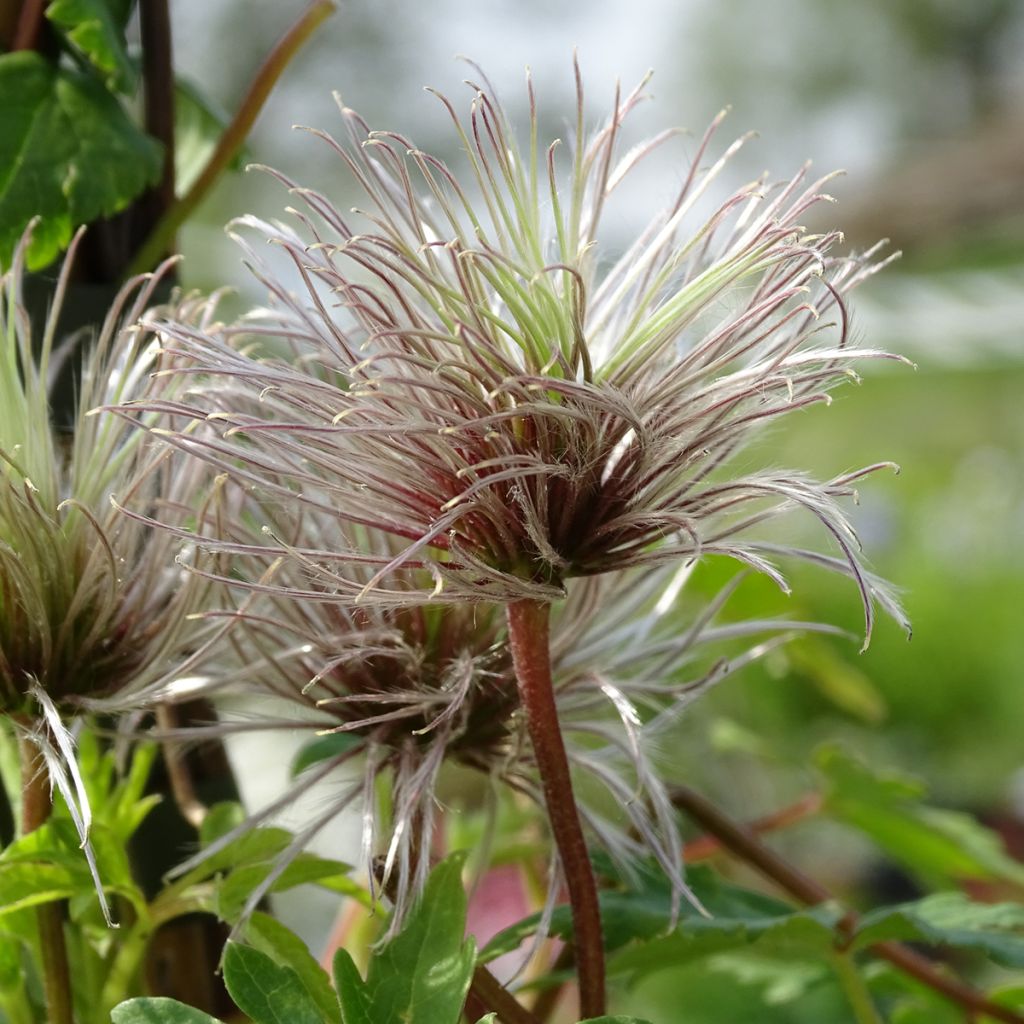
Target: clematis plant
514	406
407	691
91	604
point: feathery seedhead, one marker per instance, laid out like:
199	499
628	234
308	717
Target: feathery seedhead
409	690
509	399
90	601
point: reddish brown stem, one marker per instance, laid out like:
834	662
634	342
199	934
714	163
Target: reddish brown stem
30	25
158	99
528	625
707	846
488	995
36	806
183	789
547	999
743	842
234	135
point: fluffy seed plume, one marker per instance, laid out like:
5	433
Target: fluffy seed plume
510	398
91	603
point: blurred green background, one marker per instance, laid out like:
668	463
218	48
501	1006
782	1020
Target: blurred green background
922	102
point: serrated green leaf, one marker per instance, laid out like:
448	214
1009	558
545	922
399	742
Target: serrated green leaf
423	974
637	925
68	154
322	749
353	994
234	891
95	31
267	992
937	845
950	919
159	1010
274	939
26	884
256	847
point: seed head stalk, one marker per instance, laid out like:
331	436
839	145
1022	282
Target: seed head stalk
529	630
36	807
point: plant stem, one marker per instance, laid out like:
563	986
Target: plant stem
528	626
158	99
746	845
488	995
547	999
30	25
125	967
183	789
705	847
855	990
35	811
234	135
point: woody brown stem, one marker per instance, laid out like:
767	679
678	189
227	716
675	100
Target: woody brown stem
36	807
529	635
745	844
488	995
29	25
234	135
707	846
183	789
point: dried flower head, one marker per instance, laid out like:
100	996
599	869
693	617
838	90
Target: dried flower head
503	407
404	692
91	603
511	400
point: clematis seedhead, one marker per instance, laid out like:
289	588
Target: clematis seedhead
91	603
475	368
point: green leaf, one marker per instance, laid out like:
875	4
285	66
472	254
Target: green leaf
197	129
68	154
779	980
94	29
423	974
26	884
234	891
637	925
942	847
617	1019
11	968
256	847
158	1010
274	939
353	992
838	679
950	919
268	993
322	749
491	1018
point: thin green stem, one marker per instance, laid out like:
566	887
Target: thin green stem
233	137
126	966
529	629
35	811
855	989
